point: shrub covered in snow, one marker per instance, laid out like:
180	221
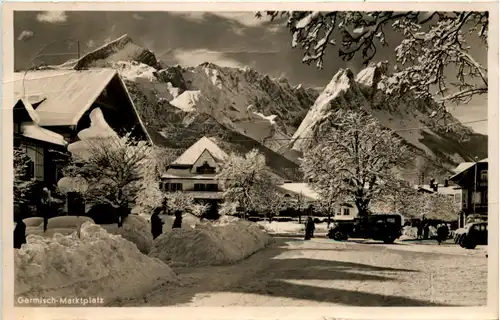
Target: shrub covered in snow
135	229
97	264
210	243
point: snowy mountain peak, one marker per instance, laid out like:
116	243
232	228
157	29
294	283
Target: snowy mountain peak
371	75
432	143
120	49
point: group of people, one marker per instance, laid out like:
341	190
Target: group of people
442	230
157	222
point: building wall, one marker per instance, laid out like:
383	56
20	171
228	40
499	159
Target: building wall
204	157
346	213
188	184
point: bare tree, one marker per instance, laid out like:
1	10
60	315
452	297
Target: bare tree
432	43
355	159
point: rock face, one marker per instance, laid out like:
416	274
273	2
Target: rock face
415	120
244	109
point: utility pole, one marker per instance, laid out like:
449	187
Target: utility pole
475	187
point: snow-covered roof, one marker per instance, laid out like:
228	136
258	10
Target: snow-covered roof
464	166
300	188
192	154
63	95
31	111
36	132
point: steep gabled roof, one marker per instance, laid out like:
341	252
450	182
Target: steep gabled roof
63	95
463	167
192	154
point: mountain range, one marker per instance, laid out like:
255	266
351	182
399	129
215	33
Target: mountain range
243	109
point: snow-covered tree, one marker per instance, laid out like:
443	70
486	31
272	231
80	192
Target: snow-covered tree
179	200
432	52
247	181
401	198
228	208
116	171
199	209
326	204
440	207
354	158
22	183
277	203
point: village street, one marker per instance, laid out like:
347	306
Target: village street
322	272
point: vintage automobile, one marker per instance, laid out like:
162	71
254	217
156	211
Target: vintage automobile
473	234
385	227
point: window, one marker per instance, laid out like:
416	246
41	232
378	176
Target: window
172	187
206	187
205	168
484	175
346	211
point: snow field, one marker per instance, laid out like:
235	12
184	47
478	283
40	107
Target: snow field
226	241
97	264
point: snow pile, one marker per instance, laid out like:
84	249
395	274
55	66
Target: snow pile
97	264
64	225
33	221
282	227
210	244
135	229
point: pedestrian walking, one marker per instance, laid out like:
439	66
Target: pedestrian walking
177	220
19	233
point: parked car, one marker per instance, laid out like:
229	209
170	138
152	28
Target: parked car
475	233
385	227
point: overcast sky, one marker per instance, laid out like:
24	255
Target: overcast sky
233	39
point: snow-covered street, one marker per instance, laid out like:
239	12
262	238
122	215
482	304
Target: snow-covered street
293	272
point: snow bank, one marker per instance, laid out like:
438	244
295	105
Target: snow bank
189	221
98	264
33	222
135	229
210	243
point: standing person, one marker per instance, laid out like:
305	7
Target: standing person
426	230
178	220
442	233
419	229
156	222
19	233
44	207
309	229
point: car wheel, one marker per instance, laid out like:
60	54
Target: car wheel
338	235
470	246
